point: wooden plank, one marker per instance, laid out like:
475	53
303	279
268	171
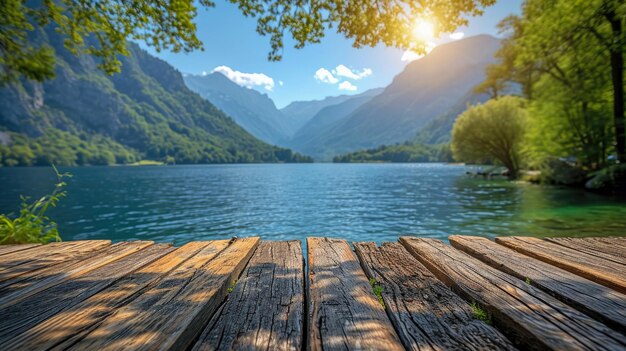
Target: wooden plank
17	263
344	314
601	271
597	248
426	314
593	299
526	314
265	311
618	241
52	251
48	277
171	315
7	249
65	328
20	317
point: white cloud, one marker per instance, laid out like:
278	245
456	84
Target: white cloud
247	80
324	75
343	71
457	35
345	85
280	82
410	55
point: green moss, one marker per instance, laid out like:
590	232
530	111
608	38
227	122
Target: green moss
378	291
232	287
481	313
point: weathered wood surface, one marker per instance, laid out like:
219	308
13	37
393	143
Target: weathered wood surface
530	316
595	300
617	241
265	310
607	273
172	314
91	295
426	313
66	328
6	249
594	247
21	262
56	274
24	315
344	314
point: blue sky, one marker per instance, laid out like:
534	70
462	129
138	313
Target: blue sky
234	48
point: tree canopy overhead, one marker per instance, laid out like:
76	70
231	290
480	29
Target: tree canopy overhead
102	27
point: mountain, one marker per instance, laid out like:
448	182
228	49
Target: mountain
84	116
300	112
439	129
254	111
306	138
427	88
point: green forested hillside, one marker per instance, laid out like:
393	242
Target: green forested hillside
407	152
84	116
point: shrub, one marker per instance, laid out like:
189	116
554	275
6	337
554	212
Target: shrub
32	225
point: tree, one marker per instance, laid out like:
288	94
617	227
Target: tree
101	27
571	106
547	39
511	66
492	132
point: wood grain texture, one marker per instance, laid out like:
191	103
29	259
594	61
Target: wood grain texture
344	314
7	249
617	241
56	274
531	317
265	311
595	300
426	314
18	318
607	273
21	262
171	315
64	329
601	249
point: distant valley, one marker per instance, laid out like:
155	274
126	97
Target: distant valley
420	105
152	111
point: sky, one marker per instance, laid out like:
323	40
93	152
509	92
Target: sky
330	68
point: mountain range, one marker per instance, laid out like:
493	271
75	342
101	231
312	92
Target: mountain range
420	104
152	111
254	111
426	89
84	116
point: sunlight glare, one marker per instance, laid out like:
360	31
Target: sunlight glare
424	30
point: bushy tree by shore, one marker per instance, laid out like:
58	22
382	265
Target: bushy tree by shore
492	132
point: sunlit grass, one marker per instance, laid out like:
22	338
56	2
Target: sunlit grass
147	163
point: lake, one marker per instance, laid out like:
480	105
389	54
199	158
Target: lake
364	202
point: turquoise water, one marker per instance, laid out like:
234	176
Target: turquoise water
364	202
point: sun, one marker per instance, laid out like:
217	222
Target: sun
424	30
